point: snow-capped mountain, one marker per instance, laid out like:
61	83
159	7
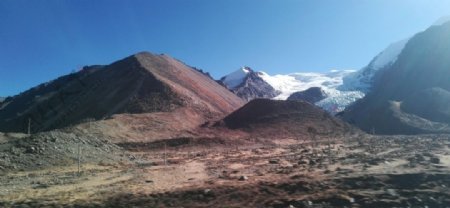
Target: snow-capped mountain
236	78
363	79
412	95
341	87
248	84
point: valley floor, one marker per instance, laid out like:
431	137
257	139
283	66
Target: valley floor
365	171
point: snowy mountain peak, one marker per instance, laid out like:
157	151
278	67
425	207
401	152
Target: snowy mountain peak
235	78
248	84
362	80
389	55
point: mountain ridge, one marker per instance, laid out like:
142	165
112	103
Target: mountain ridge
142	83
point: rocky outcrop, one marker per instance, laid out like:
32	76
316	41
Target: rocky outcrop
311	95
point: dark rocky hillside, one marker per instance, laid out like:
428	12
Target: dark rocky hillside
412	96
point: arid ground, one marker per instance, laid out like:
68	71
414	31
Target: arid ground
357	171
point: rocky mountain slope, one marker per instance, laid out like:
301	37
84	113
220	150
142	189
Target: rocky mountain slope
398	102
55	148
142	83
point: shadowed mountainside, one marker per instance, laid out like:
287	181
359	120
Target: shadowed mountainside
411	96
280	118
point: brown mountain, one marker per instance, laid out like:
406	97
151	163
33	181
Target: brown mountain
162	89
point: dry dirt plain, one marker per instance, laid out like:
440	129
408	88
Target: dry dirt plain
362	171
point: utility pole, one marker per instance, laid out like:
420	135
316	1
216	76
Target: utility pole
79	160
165	154
29	126
329	149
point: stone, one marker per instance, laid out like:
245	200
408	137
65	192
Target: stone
435	160
302	162
274	161
31	150
207	191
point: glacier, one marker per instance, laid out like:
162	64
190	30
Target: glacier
335	101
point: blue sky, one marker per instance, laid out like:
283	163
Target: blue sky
41	40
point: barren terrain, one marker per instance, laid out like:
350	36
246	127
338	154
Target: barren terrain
355	171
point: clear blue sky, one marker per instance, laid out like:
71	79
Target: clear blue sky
41	40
